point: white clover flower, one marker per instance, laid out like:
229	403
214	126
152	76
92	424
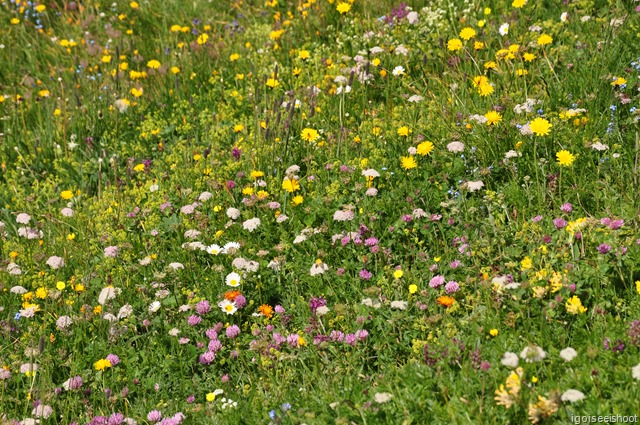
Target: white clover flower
509	359
382	397
532	353
568	354
251	224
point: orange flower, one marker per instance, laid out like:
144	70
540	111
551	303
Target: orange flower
231	295
266	309
446	301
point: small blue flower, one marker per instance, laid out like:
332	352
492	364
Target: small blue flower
272	414
286	407
17	316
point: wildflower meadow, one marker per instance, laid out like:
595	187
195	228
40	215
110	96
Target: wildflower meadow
319	212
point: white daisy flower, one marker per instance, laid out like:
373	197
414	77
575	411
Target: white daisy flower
215	249
227	306
233	279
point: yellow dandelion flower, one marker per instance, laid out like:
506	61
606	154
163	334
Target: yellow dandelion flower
424	148
493	117
545	39
404	131
467	33
565	158
309	134
540	126
343	7
408	162
454	44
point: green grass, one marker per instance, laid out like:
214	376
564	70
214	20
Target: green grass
127	171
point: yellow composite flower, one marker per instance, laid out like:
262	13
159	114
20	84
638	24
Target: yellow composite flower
485	89
343	7
66	195
519	3
493	117
309	134
618	81
467	33
565	158
290	185
408	162
404	131
424	148
303	54
454	44
272	82
540	126
153	64
545	39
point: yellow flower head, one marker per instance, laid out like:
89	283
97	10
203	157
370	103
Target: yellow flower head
518	3
493	117
303	54
102	364
565	158
408	162
272	82
618	81
574	305
467	33
66	195
309	134
290	185
544	39
454	44
404	131
343	7
424	148
540	126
